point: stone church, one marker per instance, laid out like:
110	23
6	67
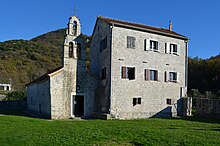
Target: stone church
136	71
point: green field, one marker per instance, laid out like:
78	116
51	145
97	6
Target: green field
18	130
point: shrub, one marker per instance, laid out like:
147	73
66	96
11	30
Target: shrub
16	95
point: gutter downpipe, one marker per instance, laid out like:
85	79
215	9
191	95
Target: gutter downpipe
110	103
186	65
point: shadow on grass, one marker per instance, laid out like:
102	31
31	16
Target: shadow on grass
14	112
19	112
207	119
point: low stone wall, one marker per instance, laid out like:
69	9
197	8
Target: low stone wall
13	105
207	107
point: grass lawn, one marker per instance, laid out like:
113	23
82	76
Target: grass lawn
18	130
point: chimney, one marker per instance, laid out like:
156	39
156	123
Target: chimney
170	26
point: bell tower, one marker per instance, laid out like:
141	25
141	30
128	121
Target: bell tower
74	65
74	26
71	47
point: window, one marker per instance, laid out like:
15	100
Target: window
78	50
169	101
130	42
71	49
103	74
128	73
75	28
153	45
172	76
1	87
173	48
151	75
136	101
103	44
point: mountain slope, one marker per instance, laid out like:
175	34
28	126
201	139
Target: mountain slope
23	61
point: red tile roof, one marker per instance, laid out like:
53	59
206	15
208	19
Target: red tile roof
141	26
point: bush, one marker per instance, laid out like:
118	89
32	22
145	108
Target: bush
16	95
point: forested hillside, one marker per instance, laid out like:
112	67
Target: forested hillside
23	61
204	75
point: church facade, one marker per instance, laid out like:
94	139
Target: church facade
136	71
66	91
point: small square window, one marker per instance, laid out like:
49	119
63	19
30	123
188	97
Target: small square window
130	42
169	101
136	101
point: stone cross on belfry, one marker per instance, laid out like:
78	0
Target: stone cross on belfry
74	9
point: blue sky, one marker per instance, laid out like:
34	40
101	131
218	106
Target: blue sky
197	19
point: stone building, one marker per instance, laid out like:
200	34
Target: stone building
143	69
136	71
66	91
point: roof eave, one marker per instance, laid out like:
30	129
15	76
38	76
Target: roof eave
38	81
149	30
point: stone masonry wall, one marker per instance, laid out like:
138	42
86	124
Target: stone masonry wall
153	94
100	60
38	98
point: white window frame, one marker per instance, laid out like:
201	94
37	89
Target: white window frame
173	74
154	47
155	71
171	48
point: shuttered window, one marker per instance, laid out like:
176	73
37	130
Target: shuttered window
151	75
154	75
128	73
174	49
131	42
153	45
173	77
